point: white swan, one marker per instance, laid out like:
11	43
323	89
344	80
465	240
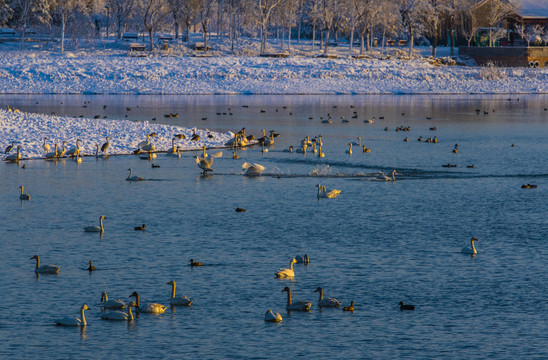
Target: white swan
287	273
23	196
15	157
359	143
152	308
320	153
93	228
120	315
349	151
382	176
329	194
172	149
134	177
269	316
302	259
300	305
302	149
46	146
177	152
52	154
75	150
145	142
252	169
331	302
204	164
218	154
45	269
470	250
111	304
62	152
73	320
179	300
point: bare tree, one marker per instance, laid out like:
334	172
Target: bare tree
498	10
122	11
434	13
32	11
411	13
328	10
545	35
529	33
265	8
205	10
153	13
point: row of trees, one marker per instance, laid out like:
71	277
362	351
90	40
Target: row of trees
291	19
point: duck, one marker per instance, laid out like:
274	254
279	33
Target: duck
302	259
111	304
15	157
45	145
300	305
23	196
140	228
105	146
9	147
75	150
350	307
93	228
91	267
269	316
195	137
470	250
204	164
252	169
120	315
287	273
72	320
179	300
406	306
152	308
330	302
195	263
134	177
349	151
45	269
329	194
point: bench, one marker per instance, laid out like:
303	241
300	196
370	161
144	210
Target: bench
402	43
130	37
200	46
390	42
137	49
8	33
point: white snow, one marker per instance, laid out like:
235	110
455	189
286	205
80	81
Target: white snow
29	130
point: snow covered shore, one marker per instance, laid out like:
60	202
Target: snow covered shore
29	130
44	72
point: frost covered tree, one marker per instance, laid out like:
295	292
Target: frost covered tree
497	11
529	33
66	9
6	12
205	11
31	11
434	14
412	18
328	11
122	11
544	36
264	9
388	19
152	13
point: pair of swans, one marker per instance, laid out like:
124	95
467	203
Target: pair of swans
134	177
23	196
253	169
287	273
152	308
45	269
301	305
329	194
176	153
73	320
94	228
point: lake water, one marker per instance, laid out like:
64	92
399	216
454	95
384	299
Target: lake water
378	243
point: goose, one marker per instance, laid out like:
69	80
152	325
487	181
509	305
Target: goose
287	273
23	196
252	169
111	304
72	320
470	250
324	193
405	306
93	228
134	177
300	305
45	269
153	308
359	143
53	154
105	145
269	316
91	267
62	152
15	157
349	151
195	137
302	259
330	302
9	147
144	142
179	300
349	308
381	176
195	263
76	150
120	315
204	164
46	146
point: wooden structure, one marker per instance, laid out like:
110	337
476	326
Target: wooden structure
508	56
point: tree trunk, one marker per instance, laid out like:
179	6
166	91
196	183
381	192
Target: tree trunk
434	46
362	43
289	33
151	39
325	49
452	35
351	38
176	25
490	42
411	38
62	31
367	36
321	40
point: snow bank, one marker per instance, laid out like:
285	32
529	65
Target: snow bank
29	131
29	72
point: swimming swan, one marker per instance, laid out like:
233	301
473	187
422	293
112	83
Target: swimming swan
52	154
252	169
93	228
15	157
269	316
179	300
120	315
72	320
152	308
324	193
23	196
300	305
111	304
302	259
349	151
287	273
45	269
134	177
381	176
470	250
330	302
